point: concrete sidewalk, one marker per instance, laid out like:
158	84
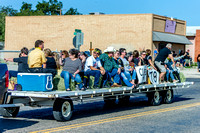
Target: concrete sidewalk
190	73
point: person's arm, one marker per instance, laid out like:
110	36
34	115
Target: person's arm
172	58
79	68
178	58
140	62
199	58
60	61
43	60
93	68
151	63
9	59
77	71
44	65
102	70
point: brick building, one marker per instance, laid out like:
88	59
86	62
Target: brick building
131	31
193	34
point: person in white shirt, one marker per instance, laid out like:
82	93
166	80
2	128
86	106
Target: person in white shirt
94	68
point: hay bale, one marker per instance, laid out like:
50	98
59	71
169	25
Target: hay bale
182	77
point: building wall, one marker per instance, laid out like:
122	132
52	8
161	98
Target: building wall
191	47
197	44
159	24
177	47
131	31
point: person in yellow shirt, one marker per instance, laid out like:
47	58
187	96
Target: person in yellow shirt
36	58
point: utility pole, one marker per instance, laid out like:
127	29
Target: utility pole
60	10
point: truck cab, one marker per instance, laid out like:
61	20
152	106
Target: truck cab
4	81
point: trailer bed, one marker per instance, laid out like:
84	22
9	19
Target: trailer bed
139	89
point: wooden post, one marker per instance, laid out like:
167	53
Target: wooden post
91	49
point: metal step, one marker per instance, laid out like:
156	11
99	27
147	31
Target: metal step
11	105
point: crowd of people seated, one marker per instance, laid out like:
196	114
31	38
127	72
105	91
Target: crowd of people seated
112	66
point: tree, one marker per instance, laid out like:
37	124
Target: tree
52	7
26	10
72	11
5	11
8	10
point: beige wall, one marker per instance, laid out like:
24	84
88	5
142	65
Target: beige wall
131	31
176	47
159	24
191	47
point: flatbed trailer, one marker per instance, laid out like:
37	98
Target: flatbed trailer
62	101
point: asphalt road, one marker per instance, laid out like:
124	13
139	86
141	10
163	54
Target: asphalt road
180	116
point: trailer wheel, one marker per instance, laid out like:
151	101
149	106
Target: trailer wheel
10	111
63	109
109	99
168	96
154	98
123	99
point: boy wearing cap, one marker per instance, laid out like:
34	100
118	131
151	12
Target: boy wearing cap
94	68
111	67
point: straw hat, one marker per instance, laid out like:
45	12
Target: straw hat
109	49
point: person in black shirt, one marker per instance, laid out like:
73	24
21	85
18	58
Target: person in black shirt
22	63
136	58
187	58
159	61
198	63
51	65
149	59
143	61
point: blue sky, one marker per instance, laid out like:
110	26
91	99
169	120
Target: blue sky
181	9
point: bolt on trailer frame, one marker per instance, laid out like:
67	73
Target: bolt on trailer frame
62	102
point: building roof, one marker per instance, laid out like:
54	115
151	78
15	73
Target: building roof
191	30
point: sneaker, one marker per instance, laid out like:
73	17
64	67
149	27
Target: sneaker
175	81
83	89
68	89
106	86
116	85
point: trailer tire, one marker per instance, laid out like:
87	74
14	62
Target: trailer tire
168	96
154	98
123	99
109	100
10	111
63	109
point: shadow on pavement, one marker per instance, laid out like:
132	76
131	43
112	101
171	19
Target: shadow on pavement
178	98
193	79
9	124
94	109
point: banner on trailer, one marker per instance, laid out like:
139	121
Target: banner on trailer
153	76
141	74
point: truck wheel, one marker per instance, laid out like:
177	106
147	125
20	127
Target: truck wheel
63	109
154	98
109	99
168	96
10	112
123	99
